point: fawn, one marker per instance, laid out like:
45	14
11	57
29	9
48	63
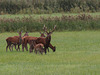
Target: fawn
36	47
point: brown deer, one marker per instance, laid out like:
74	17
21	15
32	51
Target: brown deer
26	34
37	47
45	40
27	40
40	40
14	40
50	45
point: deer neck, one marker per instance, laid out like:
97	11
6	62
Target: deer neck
48	39
52	47
20	39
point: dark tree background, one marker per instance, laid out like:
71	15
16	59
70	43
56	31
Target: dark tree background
48	6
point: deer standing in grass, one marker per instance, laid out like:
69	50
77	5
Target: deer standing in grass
26	34
14	41
40	39
46	40
27	40
50	45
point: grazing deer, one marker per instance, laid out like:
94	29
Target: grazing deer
45	40
37	47
14	40
26	34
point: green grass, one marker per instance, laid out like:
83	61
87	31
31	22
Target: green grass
77	53
45	15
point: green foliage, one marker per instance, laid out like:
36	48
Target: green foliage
48	6
65	22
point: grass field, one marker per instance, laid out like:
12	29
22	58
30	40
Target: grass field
77	53
46	15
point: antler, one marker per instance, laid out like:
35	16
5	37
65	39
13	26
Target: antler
45	29
53	29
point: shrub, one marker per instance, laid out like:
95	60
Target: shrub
70	23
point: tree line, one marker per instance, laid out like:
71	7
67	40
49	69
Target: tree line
48	6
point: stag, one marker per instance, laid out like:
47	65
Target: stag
14	41
46	40
50	45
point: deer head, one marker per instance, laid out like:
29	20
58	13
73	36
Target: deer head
26	34
42	34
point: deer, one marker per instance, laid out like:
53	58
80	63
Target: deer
46	40
14	41
31	40
26	34
50	45
28	38
37	47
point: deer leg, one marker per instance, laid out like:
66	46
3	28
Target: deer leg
30	50
26	47
45	50
23	47
10	47
35	51
15	47
18	47
7	47
48	49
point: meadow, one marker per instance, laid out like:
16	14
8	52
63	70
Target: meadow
77	53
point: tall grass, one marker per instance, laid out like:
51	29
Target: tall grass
64	22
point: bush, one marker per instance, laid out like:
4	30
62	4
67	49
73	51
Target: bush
70	23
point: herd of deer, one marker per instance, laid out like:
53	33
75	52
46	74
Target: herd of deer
39	44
